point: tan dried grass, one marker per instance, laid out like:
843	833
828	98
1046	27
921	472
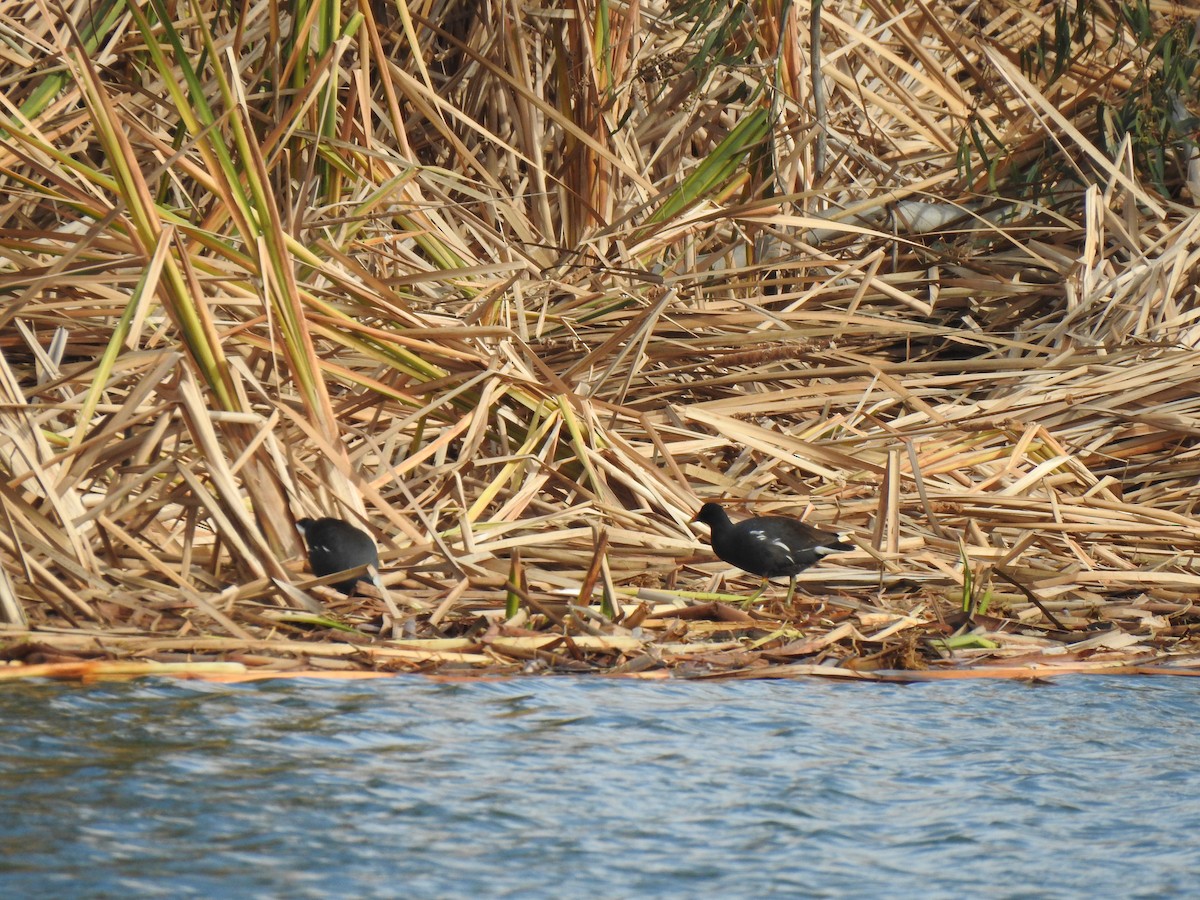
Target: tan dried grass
503	294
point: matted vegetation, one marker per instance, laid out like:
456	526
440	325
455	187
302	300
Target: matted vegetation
519	286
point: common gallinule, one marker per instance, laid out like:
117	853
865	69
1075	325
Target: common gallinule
334	546
768	546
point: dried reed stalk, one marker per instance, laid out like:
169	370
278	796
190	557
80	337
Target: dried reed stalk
496	278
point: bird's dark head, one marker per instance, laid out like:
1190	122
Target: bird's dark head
304	524
711	514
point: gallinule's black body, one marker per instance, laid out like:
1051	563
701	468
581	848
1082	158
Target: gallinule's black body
768	546
334	546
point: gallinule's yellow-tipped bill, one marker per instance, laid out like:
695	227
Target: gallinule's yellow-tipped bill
335	546
768	546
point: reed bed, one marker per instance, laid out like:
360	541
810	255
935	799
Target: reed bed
518	287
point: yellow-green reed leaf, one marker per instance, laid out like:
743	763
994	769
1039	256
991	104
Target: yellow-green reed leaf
303	618
142	294
438	251
512	599
92	31
328	27
968	578
608	604
260	207
534	437
717	168
786	632
985	602
579	444
191	313
329	13
602	39
351	27
199	119
609	308
410	36
965	642
266	232
393	355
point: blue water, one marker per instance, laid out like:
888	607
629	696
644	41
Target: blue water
600	788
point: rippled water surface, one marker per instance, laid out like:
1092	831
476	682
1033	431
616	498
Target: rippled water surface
594	788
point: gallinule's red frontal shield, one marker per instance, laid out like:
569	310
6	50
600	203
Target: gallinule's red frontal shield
335	546
768	546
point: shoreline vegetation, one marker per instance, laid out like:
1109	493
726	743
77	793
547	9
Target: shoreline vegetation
517	288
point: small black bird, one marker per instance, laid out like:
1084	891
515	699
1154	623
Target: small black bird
768	546
334	546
